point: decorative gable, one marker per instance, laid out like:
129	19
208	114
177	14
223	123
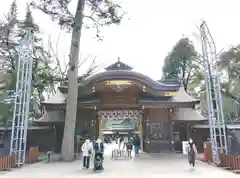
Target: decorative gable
119	66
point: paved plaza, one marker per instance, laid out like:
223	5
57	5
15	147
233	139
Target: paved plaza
145	166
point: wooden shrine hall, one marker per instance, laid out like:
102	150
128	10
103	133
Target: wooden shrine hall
162	111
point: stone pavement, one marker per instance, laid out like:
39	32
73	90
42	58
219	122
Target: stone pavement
145	166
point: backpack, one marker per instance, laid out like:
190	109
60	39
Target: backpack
191	150
97	148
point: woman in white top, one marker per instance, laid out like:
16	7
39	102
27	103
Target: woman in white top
87	150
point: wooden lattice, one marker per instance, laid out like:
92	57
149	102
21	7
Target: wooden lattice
119	114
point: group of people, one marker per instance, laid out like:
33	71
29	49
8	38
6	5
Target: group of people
96	150
129	143
93	149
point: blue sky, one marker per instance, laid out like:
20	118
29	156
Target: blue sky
154	27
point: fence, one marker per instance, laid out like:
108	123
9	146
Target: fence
230	161
8	162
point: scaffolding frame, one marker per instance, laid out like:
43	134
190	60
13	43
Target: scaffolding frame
213	92
22	99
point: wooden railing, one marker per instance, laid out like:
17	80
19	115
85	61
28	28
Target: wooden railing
230	161
8	162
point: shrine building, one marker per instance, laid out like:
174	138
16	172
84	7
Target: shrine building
122	101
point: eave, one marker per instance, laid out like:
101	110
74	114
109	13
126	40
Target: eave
124	75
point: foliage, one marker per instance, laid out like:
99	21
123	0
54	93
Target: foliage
8	45
6	96
8	40
99	12
12	31
229	64
182	63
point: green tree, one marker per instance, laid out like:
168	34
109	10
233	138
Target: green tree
8	44
183	63
6	97
102	12
43	75
8	37
229	65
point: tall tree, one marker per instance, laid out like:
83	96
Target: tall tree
7	96
229	64
8	36
102	12
183	63
43	76
8	54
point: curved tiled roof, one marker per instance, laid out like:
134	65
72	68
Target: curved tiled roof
121	71
128	75
58	98
184	97
187	114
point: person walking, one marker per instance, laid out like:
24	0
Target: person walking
99	151
87	150
125	142
192	152
118	142
130	147
137	145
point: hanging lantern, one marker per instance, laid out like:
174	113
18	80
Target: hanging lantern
144	88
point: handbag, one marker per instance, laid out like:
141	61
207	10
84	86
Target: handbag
89	151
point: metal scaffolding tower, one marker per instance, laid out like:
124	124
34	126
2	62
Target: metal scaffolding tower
22	99
213	92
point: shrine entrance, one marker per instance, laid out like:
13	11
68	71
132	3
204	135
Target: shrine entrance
121	121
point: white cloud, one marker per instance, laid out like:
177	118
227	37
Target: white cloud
154	28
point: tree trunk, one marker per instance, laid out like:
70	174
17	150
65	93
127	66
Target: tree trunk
67	153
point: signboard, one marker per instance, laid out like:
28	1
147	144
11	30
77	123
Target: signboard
185	147
118	82
170	93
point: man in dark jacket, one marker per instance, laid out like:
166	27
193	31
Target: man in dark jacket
98	146
137	144
99	150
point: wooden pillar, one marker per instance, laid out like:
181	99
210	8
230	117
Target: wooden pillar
188	130
141	130
100	128
96	126
145	127
171	130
